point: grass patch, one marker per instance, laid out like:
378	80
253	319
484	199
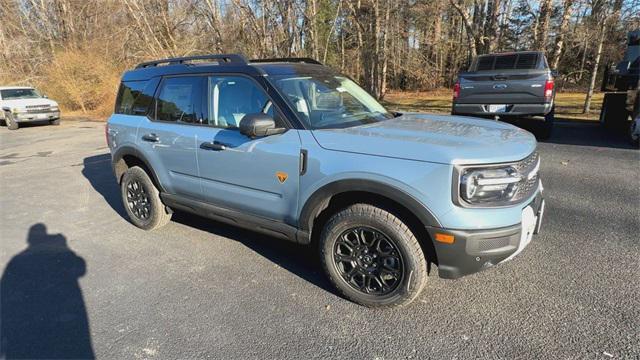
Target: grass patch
568	104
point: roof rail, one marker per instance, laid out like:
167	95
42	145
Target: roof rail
231	59
305	60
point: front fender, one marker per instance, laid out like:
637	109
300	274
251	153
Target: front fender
318	199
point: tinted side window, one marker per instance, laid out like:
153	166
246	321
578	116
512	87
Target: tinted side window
127	95
233	97
180	99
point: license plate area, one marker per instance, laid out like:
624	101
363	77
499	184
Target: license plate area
529	222
499	108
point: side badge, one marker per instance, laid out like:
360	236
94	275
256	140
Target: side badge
282	176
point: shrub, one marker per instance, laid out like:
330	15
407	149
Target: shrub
81	80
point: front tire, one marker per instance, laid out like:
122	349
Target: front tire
142	200
55	122
372	257
12	124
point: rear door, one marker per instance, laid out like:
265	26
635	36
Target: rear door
168	136
504	79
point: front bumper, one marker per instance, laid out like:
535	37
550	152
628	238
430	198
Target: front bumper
511	109
22	117
476	250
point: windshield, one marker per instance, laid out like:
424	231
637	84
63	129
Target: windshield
19	94
328	101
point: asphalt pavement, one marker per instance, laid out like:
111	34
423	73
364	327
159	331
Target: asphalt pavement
78	280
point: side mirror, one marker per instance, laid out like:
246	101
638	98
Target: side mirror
554	73
45	96
259	124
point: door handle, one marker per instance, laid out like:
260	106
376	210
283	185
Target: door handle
150	137
216	146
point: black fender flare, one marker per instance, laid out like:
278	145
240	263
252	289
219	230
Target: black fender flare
132	151
319	201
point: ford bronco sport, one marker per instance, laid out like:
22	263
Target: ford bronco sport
19	104
508	86
292	149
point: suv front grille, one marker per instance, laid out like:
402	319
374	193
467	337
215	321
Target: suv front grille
529	183
37	108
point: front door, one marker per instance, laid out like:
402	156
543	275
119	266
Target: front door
256	176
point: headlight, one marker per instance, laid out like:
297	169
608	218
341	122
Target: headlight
479	185
496	185
55	108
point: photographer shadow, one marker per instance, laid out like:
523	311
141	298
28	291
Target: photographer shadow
42	309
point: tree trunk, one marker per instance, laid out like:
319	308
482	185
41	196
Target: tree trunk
472	35
385	59
543	25
594	71
583	60
492	25
564	24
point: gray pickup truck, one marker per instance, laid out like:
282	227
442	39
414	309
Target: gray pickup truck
508	85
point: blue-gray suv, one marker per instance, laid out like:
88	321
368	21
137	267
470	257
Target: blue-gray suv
292	149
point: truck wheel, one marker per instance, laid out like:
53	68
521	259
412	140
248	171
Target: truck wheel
547	126
603	113
55	122
634	134
614	114
142	200
10	121
372	257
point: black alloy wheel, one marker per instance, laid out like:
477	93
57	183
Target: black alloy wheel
368	261
138	200
372	257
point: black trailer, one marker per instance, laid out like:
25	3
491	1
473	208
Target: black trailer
621	85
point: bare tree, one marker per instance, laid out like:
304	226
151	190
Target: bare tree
385	44
603	12
560	33
543	25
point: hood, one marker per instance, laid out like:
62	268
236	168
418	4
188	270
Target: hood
433	138
21	103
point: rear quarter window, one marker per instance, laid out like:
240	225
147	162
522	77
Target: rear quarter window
135	97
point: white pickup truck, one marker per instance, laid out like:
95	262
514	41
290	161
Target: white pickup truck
20	104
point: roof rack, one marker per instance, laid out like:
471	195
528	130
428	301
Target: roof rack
231	59
305	60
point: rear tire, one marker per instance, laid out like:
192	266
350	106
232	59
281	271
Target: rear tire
142	200
546	127
10	121
372	257
634	139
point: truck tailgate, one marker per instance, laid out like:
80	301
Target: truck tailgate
502	87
